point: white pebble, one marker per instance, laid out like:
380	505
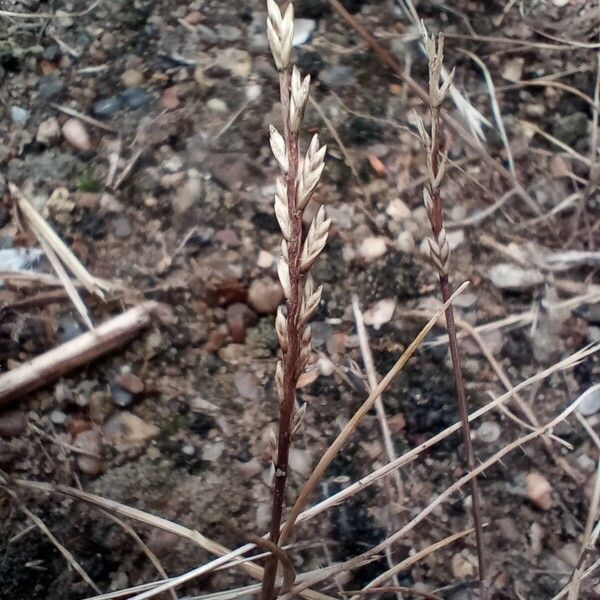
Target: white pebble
76	134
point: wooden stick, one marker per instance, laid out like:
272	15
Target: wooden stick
65	358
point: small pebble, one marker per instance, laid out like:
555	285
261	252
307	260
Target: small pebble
488	432
462	568
50	88
130	382
248	386
372	248
122	228
135	98
397	210
58	417
405	242
19	115
506	276
107	107
48	132
326	366
239	318
76	134
265	260
89	441
52	53
131	78
303	29
380	313
120	396
12	423
539	490
265	295
590	403
217	105
211	452
126	430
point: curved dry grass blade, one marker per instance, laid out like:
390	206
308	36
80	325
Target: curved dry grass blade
334	448
42	527
42	229
225	556
66	281
449	491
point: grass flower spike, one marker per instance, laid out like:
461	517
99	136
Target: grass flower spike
439	250
295	187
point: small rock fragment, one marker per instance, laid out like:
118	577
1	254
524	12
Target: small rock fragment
488	432
372	248
48	132
506	276
19	115
303	29
239	318
265	260
132	383
135	98
590	401
12	423
212	451
326	366
461	567
58	417
265	295
76	134
513	69
248	386
380	313
397	210
90	443
536	535
107	107
405	242
120	396
131	78
539	490
126	431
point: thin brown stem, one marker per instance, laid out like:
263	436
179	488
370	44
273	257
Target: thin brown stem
290	364
466	429
440	255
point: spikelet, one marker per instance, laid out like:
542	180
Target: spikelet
315	240
278	148
312	167
298	98
280	32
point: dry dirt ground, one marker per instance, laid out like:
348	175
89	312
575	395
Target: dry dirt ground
179	419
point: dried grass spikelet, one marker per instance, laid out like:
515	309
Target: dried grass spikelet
294	188
298	180
280	32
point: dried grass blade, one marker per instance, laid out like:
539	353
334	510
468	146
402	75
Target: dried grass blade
66	281
42	229
334	448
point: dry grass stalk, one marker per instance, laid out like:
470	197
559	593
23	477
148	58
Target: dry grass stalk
353	423
232	558
440	255
294	189
445	495
44	529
